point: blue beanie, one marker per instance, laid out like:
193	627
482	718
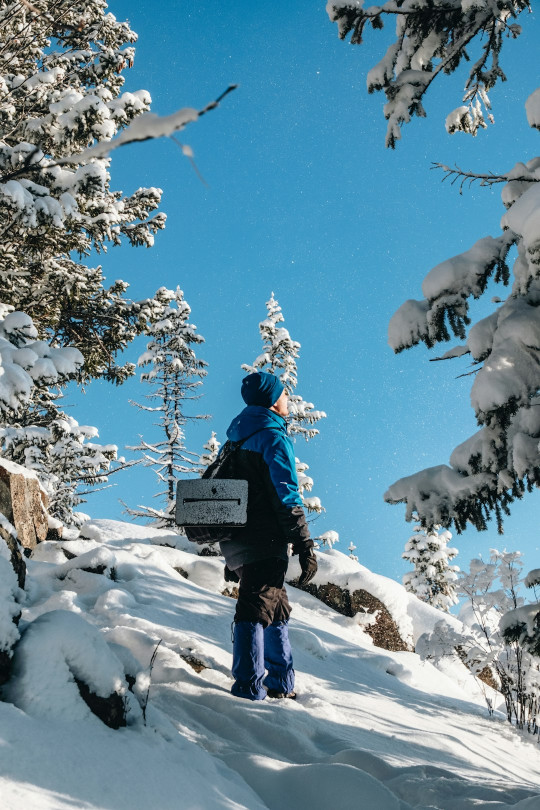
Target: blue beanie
261	388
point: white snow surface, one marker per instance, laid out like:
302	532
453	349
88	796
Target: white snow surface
371	728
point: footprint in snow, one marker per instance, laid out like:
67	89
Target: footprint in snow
308	642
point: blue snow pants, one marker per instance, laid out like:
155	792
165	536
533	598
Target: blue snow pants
261	632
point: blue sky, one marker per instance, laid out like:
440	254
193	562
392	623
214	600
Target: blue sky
302	199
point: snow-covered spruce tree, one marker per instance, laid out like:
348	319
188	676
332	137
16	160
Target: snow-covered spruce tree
279	357
175	375
61	66
433	579
433	37
502	460
212	449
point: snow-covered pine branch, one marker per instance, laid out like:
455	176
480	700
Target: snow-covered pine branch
502	459
433	37
175	374
27	363
279	355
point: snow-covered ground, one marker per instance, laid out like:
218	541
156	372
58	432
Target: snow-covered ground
370	729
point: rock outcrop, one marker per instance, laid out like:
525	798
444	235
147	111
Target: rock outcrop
382	628
23	503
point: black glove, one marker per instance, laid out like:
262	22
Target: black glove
308	564
230	576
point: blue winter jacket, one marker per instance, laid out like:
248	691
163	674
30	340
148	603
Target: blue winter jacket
275	516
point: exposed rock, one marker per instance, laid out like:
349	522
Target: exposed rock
231	591
194	662
209	551
5	666
383	630
17	559
111	710
181	571
23	503
485	674
55	533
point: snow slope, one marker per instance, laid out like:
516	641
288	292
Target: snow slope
371	729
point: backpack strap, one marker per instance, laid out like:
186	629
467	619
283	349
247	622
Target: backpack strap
227	451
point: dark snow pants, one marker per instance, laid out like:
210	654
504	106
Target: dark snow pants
261	635
261	593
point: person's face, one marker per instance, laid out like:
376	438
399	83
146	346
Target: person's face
282	405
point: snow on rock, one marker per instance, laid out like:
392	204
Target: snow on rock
54	649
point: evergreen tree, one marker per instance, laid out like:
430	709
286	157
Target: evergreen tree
175	375
34	432
433	37
433	579
212	449
501	461
63	458
61	66
279	357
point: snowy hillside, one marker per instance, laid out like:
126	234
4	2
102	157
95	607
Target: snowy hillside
371	729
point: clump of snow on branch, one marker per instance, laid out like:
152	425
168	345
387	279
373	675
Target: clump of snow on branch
26	361
326	539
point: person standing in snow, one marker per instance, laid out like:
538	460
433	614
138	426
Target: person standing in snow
256	555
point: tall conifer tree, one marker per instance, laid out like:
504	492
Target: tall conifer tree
279	356
175	375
